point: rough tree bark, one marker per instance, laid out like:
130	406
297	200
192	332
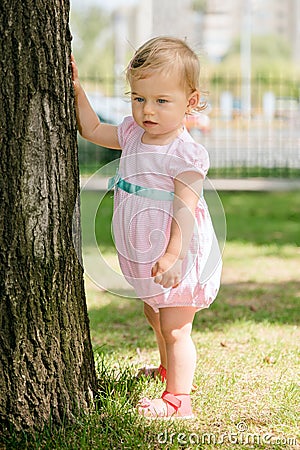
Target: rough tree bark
46	361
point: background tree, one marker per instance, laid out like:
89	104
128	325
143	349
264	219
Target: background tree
46	360
199	5
270	55
93	43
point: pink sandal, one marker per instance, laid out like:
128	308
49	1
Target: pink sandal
150	371
162	373
176	406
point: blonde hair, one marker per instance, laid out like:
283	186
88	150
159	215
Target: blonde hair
169	54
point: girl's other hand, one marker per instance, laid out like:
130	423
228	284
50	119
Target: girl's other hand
167	271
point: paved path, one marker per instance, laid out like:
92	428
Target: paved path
256	184
244	184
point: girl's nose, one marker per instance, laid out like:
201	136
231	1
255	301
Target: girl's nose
148	108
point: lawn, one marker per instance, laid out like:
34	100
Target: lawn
247	343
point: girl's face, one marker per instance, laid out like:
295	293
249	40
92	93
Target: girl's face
159	104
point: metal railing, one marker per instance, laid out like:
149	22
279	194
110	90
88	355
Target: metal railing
266	144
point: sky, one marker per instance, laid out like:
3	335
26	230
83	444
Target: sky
105	4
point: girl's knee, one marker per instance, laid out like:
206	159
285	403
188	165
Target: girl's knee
173	334
176	323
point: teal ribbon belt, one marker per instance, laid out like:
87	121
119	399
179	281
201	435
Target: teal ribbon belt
154	194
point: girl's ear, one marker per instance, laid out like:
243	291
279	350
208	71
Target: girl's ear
193	101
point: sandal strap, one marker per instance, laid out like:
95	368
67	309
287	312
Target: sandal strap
162	372
171	399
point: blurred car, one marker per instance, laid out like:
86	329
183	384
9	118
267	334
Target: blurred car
110	109
197	123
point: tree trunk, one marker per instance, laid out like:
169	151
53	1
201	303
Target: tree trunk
46	362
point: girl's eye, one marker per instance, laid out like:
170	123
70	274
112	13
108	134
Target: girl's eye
162	100
139	99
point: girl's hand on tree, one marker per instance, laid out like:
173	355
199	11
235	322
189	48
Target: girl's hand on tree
75	76
167	271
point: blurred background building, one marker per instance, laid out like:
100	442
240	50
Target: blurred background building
214	24
222	23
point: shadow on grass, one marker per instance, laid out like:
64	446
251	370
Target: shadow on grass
121	320
274	303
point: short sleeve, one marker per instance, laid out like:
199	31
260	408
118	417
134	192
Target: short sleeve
125	129
190	156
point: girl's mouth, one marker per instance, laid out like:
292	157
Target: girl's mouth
149	123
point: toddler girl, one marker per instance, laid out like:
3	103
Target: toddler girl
163	232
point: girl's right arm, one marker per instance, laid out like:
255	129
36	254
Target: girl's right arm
89	125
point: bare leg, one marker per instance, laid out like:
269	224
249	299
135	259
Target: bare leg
154	321
176	327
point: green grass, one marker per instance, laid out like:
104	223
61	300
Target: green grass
247	344
262	218
254	172
92	159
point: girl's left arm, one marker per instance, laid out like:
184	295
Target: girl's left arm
167	271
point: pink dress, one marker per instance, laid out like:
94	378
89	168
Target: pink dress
142	225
